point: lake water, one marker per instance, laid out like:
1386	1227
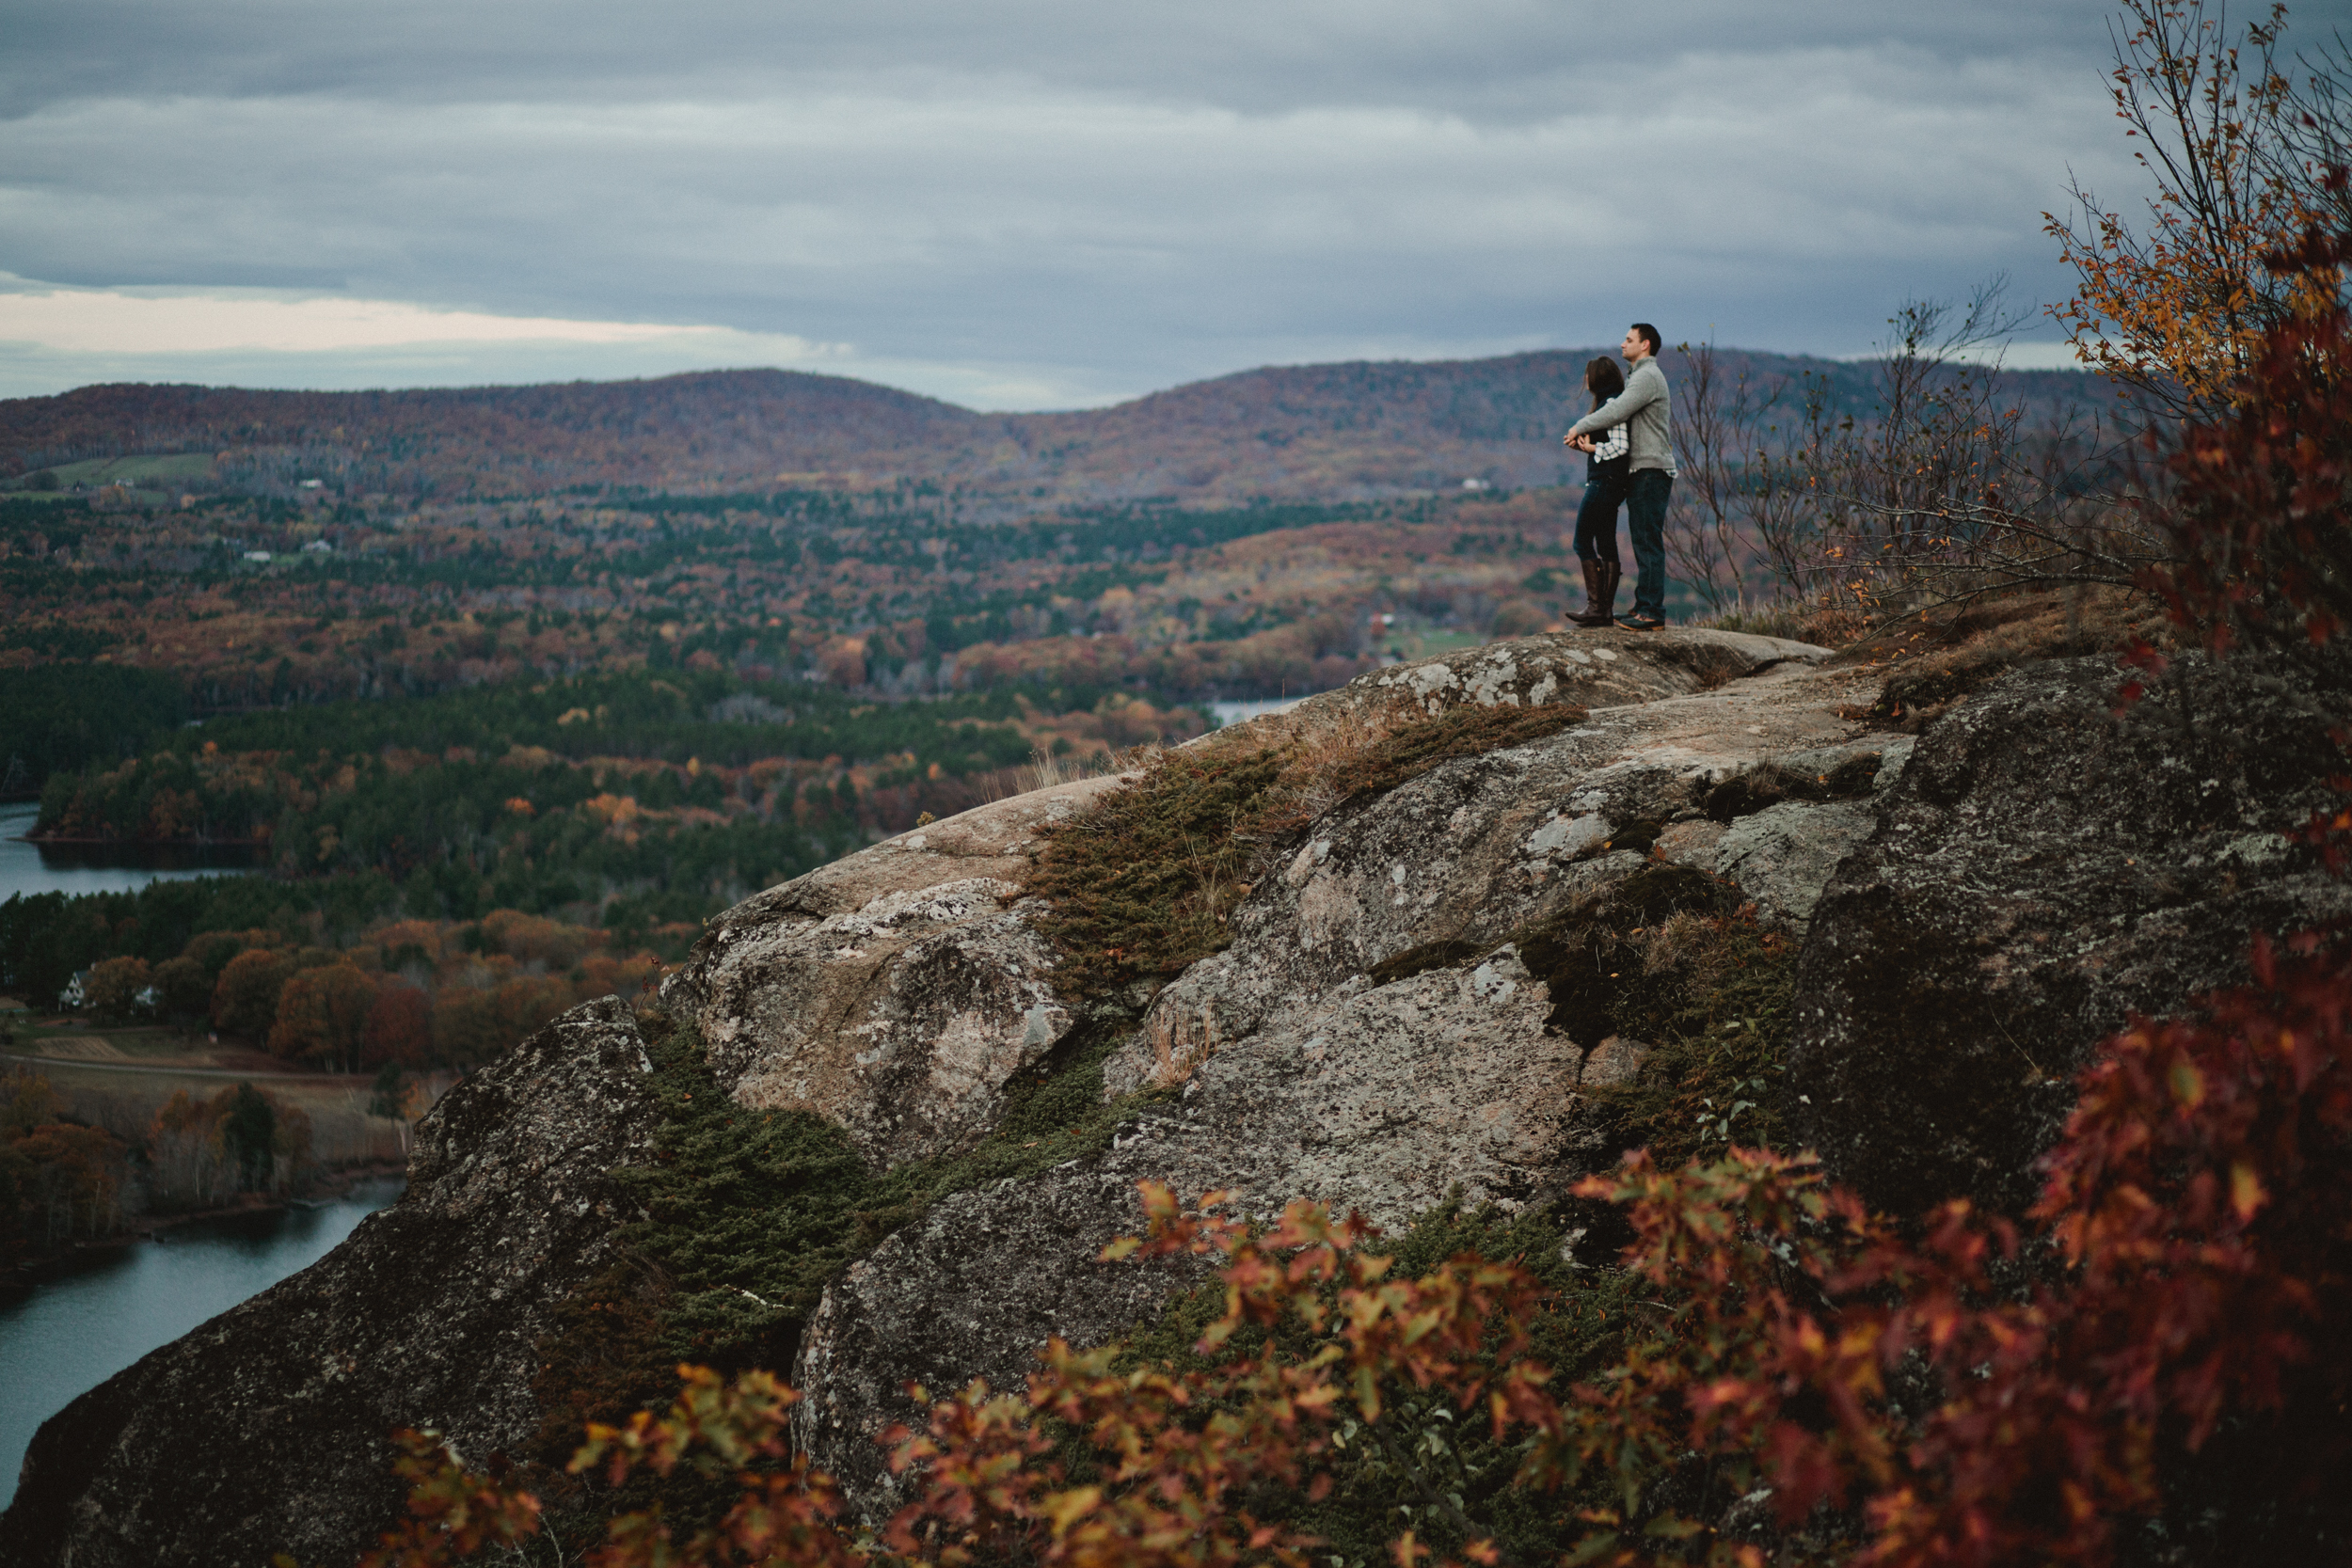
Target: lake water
73	1333
1233	713
30	869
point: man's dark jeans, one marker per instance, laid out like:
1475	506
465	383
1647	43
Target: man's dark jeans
1645	498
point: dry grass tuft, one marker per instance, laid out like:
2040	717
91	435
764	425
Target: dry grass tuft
1465	732
1834	620
1713	1001
1936	660
1320	770
1142	883
1045	768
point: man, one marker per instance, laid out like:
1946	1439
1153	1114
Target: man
1643	407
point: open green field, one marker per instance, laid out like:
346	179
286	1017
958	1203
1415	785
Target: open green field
1424	643
119	1078
135	470
157	472
123	1099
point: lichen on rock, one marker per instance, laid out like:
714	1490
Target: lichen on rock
901	1019
1385	1098
2043	867
1783	856
894	992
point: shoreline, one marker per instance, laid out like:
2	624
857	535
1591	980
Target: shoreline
78	1064
19	1280
142	844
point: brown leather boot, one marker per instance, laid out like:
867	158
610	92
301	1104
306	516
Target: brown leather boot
1599	594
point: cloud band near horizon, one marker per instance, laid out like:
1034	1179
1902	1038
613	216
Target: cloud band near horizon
1062	209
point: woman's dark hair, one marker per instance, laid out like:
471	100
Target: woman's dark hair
1603	380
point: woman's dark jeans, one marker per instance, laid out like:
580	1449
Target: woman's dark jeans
1597	518
1646	497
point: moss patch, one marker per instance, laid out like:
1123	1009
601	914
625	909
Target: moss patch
1463	731
1139	885
1591	955
1446	952
1768	783
1669	958
1936	660
604	1359
750	1213
1718	991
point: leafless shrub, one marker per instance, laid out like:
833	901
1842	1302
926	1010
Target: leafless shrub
1941	490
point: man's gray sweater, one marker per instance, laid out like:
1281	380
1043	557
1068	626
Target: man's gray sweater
1643	407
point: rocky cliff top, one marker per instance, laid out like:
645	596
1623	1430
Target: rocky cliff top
1446	987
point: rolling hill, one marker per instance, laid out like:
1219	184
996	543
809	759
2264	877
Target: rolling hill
1332	432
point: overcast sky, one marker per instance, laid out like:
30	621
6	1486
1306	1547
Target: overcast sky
1044	203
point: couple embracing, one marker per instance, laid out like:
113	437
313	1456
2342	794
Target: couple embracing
1630	459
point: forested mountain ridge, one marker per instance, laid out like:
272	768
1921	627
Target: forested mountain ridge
1328	432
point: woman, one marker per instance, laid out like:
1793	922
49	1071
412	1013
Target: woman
1606	472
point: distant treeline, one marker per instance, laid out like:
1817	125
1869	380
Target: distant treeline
650	893
673	715
63	718
416	994
635	805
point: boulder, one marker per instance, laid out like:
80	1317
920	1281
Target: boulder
1453	862
892	991
1384	1098
268	1429
2042	869
902	1021
1781	856
898	990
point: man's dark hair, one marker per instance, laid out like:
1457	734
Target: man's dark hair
1649	336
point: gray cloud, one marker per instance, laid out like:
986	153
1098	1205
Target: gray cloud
1065	203
1503	60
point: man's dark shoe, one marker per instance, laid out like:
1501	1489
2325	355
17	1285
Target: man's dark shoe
1641	623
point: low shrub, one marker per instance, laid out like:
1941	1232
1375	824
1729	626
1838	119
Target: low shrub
1791	1378
747	1214
1141	883
1406	753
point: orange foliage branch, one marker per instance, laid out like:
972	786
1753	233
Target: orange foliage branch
2178	308
1944	1394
